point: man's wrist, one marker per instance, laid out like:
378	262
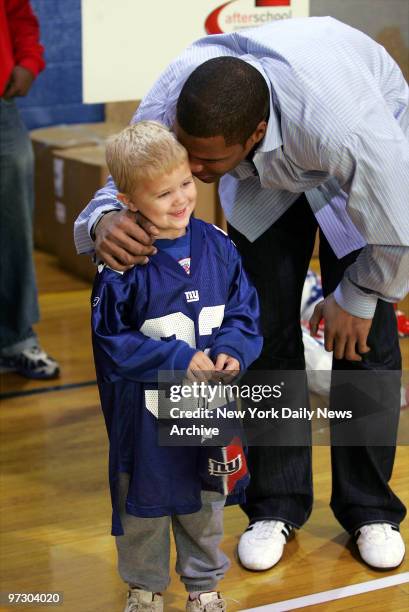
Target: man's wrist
98	219
355	301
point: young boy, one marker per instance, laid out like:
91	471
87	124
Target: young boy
190	309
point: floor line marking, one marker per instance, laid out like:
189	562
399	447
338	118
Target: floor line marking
37	391
333	594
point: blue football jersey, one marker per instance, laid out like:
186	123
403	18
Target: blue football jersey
153	318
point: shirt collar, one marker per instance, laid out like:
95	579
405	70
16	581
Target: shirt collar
272	139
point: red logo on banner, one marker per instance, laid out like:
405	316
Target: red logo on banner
212	22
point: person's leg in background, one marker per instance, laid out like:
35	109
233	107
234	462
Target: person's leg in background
280	494
19	348
362	499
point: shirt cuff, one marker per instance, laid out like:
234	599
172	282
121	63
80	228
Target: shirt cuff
183	358
354	300
96	216
33	64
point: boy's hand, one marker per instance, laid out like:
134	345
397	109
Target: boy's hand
200	368
124	239
226	367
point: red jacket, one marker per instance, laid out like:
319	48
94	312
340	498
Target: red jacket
19	40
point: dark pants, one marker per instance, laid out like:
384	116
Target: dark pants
281	485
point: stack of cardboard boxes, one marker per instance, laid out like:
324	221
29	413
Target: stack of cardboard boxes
64	183
69	168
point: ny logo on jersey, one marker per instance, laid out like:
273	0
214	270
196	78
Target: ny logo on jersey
192	296
221	468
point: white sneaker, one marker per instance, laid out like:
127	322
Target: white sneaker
206	602
143	600
380	545
262	544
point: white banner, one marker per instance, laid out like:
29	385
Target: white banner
126	44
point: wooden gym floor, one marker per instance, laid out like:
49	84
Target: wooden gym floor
56	511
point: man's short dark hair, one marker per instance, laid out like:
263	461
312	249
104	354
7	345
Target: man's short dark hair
224	96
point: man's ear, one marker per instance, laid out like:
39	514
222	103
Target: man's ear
126	201
257	135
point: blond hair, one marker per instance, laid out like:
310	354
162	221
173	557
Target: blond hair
142	151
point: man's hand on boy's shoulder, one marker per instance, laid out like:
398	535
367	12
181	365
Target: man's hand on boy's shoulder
124	239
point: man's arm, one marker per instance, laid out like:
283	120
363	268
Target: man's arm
105	200
373	165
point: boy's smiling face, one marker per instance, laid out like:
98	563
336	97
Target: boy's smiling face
167	201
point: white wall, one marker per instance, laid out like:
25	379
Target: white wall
126	44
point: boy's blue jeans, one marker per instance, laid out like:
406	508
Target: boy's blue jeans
18	291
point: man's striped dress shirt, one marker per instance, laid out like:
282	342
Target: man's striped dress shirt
338	130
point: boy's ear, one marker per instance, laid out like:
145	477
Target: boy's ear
122	197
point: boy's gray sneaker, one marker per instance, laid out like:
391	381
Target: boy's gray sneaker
206	602
143	600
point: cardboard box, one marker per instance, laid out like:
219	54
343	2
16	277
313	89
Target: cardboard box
79	173
121	112
44	141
